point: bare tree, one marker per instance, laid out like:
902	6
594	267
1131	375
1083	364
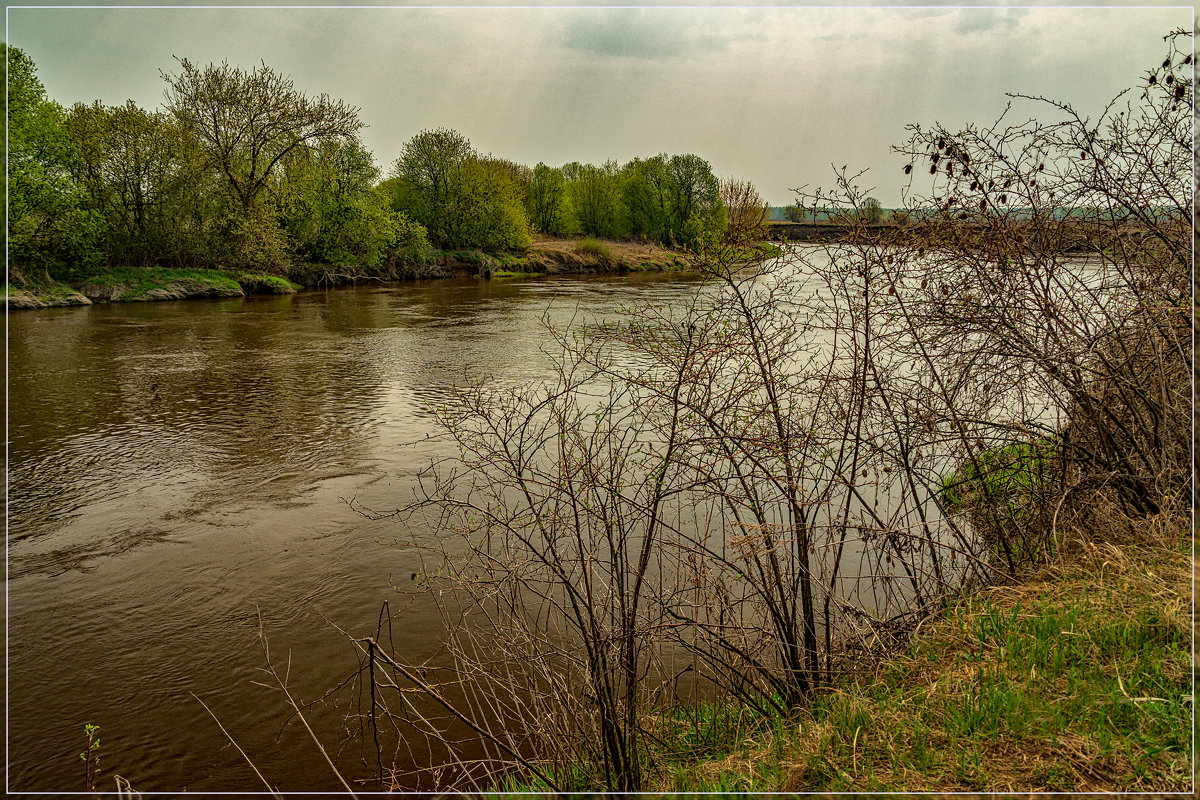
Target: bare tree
800	462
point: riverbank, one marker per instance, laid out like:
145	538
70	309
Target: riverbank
1077	679
546	256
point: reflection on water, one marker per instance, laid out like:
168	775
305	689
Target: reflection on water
176	469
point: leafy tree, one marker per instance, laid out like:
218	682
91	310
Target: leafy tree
41	194
487	206
646	189
247	123
673	199
595	196
695	200
322	197
547	202
139	177
871	211
426	170
795	213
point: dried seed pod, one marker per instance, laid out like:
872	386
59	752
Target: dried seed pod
1166	63
1041	167
1170	79
983	205
1003	198
933	170
1179	92
949	167
974	184
1153	80
941	143
907	169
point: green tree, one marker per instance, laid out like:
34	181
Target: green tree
335	215
547	202
247	123
487	206
795	213
871	211
646	189
138	175
595	195
426	171
44	226
695	199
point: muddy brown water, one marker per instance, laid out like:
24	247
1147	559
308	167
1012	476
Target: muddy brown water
176	470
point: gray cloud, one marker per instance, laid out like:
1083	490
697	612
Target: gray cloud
645	34
988	20
774	95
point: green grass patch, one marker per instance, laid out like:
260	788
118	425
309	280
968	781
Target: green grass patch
136	283
594	248
768	250
257	283
1012	472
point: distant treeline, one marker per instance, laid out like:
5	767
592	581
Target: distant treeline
240	170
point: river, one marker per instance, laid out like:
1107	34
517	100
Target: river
176	470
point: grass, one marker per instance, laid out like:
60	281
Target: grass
596	249
134	283
1012	471
256	283
1079	680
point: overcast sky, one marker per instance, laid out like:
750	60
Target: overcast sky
770	93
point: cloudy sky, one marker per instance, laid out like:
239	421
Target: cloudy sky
776	94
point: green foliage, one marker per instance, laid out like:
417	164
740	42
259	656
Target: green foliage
248	122
42	199
871	211
547	201
595	196
795	213
253	283
486	207
91	756
138	175
671	199
596	249
1011	472
426	172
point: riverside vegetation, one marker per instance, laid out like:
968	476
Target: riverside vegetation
906	511
242	183
903	511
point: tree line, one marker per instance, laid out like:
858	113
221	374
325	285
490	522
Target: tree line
241	170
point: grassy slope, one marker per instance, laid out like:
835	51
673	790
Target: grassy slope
545	255
1077	680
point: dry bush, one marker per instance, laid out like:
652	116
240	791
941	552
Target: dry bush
805	460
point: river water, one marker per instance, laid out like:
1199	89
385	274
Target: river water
177	470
